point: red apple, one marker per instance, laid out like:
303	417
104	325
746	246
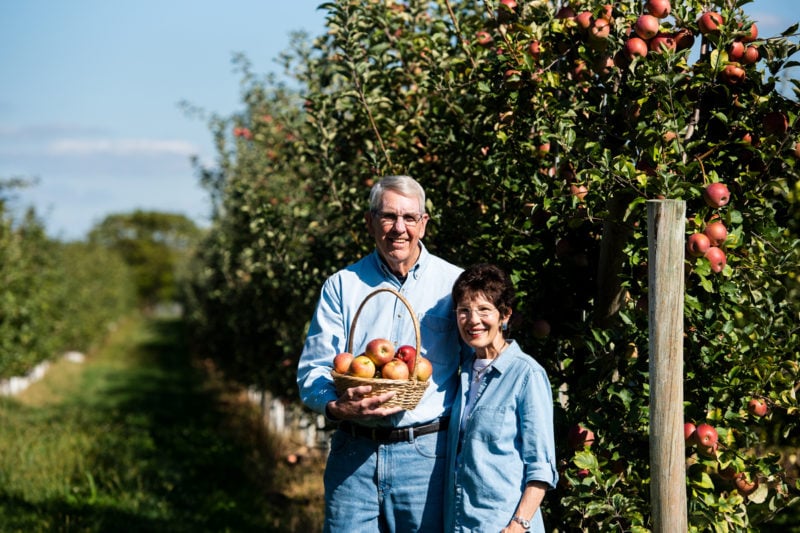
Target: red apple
646	26
424	369
662	42
541	328
603	65
584	20
717	258
751	35
599	31
736	51
341	363
716	195
757	407
579	437
706	435
534	49
689	432
565	12
751	55
408	355
483	38
732	74
797	150
635	47
684	39
658	8
717	233
743	485
395	369
709	22
362	367
697	244
507	10
380	351
578	191
775	123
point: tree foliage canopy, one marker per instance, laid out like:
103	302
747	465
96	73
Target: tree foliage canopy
539	142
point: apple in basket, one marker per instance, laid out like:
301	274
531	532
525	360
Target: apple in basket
424	369
380	351
395	369
408	355
341	363
362	367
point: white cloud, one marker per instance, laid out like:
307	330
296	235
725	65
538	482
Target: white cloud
121	147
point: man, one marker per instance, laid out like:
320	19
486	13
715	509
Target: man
385	470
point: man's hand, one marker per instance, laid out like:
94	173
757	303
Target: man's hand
354	405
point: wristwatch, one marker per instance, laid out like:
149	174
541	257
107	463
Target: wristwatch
521	521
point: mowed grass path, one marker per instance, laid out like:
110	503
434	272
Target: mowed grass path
139	439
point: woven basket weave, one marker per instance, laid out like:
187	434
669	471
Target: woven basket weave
408	391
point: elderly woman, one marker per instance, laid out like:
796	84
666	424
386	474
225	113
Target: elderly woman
502	461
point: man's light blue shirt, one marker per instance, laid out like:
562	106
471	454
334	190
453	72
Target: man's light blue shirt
427	289
507	442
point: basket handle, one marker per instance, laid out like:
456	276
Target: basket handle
413	319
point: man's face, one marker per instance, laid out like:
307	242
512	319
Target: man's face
396	240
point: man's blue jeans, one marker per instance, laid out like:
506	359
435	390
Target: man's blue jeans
397	487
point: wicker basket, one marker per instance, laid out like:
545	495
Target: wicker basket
409	391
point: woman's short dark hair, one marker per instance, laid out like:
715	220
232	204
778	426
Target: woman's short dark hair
489	280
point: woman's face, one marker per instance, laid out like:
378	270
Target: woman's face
480	324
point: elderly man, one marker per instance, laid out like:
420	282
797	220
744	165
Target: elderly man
381	476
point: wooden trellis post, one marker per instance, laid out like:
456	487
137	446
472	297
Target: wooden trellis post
666	243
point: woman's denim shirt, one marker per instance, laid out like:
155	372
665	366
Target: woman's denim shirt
507	441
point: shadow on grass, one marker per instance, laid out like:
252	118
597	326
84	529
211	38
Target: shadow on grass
173	450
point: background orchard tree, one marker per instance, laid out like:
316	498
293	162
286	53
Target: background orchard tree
540	130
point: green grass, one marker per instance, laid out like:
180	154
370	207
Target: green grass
139	439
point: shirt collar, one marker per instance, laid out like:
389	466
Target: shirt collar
415	271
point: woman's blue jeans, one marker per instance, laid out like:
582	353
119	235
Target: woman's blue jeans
397	487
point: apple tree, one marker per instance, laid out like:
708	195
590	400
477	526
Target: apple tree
540	130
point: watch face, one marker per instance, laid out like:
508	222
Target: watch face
524	523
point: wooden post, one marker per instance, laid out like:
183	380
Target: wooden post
666	243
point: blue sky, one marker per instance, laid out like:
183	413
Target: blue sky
90	94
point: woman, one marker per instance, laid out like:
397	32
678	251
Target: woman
503	460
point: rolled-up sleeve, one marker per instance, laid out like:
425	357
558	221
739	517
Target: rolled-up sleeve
326	337
538	441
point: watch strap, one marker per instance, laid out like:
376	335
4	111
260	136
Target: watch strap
521	521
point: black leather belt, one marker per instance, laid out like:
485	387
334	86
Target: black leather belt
387	435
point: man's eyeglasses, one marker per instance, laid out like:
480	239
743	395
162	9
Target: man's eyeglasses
464	313
390	219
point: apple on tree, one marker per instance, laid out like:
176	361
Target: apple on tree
706	435
757	407
658	8
689	432
717	233
580	437
716	195
698	244
717	258
709	22
744	485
